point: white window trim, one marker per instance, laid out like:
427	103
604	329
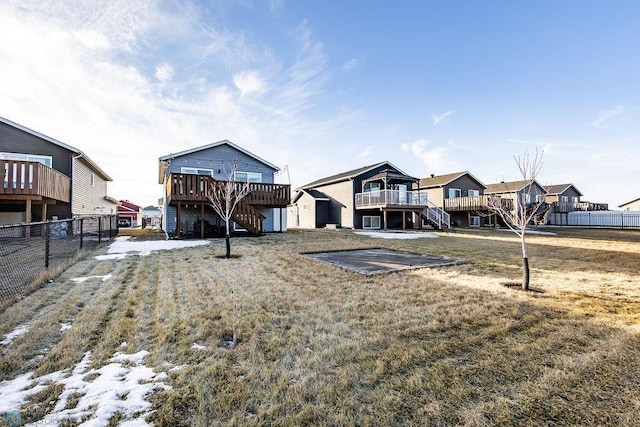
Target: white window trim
473	193
474	221
196	171
45	160
457	192
251	176
371	220
93	179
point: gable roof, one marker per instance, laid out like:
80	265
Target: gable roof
509	187
560	188
442	180
79	153
216	144
628	203
315	194
348	175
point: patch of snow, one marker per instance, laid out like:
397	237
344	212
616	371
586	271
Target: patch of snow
65	326
123	344
116	388
198	346
84	279
122	247
395	235
177	368
8	338
542	233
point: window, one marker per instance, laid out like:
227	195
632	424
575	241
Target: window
371	222
45	160
370	187
574	199
474	193
526	198
539	198
474	221
248	176
196	171
564	198
455	192
93	179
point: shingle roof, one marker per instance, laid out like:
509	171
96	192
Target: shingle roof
506	187
442	180
345	176
628	203
560	188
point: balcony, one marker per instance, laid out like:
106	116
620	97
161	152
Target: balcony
33	181
196	188
565	207
392	199
474	203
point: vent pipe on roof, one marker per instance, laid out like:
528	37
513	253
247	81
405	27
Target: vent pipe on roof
433	175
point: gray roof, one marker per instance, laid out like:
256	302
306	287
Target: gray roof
560	188
216	144
509	187
442	180
345	176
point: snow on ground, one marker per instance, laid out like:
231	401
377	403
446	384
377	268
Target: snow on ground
197	346
65	326
121	386
84	279
395	235
529	231
122	246
8	339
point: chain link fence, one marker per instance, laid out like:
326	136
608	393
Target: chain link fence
31	253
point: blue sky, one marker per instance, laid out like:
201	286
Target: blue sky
326	86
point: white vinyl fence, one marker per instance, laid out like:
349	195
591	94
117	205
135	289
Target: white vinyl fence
603	219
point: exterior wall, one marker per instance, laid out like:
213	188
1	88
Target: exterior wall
435	195
633	206
303	213
342	203
14	140
464	183
219	159
85	198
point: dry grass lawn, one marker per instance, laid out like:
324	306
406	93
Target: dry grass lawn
325	346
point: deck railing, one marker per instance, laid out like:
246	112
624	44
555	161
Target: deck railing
579	206
473	203
385	198
34	179
183	187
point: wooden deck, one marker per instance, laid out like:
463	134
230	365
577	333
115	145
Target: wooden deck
33	181
472	203
183	189
195	188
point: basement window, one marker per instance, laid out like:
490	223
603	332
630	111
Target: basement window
371	222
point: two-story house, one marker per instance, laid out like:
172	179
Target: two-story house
377	196
523	194
460	194
187	177
44	178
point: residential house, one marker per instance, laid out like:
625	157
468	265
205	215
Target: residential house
187	177
633	205
530	195
370	197
44	178
151	216
460	194
566	198
129	214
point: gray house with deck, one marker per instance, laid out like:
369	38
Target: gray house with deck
187	177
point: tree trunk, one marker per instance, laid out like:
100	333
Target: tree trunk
228	243
525	273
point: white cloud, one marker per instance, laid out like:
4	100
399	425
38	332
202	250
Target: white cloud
351	64
164	72
438	118
435	158
603	116
249	81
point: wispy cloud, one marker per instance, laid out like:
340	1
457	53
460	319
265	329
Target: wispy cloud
438	118
351	64
435	158
605	115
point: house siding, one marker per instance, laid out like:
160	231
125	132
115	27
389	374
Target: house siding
85	198
342	205
219	159
304	213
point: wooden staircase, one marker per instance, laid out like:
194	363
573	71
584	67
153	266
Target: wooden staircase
248	218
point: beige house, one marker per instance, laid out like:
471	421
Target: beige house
633	205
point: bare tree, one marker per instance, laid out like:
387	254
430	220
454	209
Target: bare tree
224	197
518	216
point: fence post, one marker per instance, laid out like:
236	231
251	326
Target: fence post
81	232
46	244
99	230
622	220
